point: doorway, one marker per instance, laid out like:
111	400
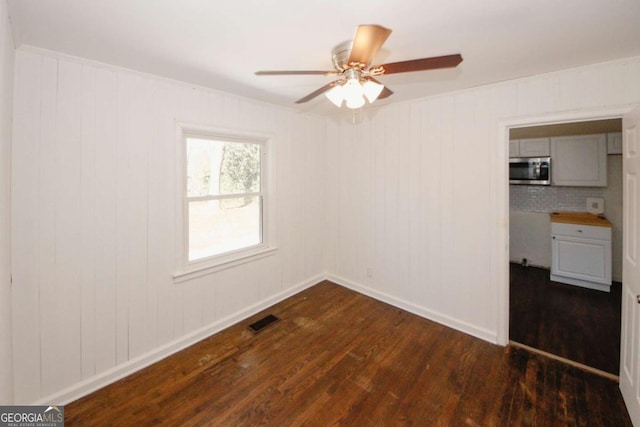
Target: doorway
563	308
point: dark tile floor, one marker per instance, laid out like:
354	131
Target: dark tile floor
578	324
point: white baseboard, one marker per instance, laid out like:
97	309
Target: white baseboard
581	283
519	261
116	373
103	379
443	319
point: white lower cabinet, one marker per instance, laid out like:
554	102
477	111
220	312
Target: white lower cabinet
581	255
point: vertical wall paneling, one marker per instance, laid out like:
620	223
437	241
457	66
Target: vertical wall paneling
406	200
294	149
161	147
378	206
87	211
94	207
391	195
484	112
193	304
431	238
124	229
569	93
593	78
7	57
24	215
281	176
387	212
132	245
347	194
316	159
171	303
446	202
105	222
331	202
466	197
61	292
47	193
417	254
155	155
367	159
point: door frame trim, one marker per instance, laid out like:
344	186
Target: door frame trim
501	195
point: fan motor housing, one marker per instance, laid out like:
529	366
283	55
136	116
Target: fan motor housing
340	55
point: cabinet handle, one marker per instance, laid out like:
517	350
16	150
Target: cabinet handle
638	298
579	231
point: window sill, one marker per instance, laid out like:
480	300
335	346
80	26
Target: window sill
183	276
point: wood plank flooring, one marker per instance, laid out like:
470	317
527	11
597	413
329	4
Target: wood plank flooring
578	324
337	357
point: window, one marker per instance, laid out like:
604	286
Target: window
226	197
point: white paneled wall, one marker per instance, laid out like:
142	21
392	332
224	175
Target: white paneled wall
6	97
94	232
417	197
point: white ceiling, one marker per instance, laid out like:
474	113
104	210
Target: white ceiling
219	44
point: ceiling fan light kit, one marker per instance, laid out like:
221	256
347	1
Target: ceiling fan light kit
352	61
372	90
354	90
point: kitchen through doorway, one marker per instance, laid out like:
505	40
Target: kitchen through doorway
565	243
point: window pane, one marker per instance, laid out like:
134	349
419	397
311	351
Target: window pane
240	169
219	226
222	167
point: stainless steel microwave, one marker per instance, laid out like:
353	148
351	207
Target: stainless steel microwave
530	170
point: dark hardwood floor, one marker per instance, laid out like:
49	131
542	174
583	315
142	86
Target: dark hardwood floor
337	357
579	324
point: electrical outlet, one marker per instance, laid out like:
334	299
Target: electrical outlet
369	272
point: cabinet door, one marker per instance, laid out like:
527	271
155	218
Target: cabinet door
614	143
534	147
514	148
579	160
582	259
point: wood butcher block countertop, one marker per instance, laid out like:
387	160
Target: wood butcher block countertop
583	218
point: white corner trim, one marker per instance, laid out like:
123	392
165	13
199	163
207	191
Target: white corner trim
443	319
116	373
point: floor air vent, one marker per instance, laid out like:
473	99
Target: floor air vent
263	323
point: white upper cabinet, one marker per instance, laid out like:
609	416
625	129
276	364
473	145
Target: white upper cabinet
579	160
614	143
514	148
534	147
530	147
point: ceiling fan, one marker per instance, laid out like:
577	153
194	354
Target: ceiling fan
352	62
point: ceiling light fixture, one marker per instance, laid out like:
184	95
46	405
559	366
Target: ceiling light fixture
354	90
352	60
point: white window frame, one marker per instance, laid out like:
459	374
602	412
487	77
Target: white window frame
185	269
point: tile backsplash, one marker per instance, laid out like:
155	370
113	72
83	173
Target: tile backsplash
536	198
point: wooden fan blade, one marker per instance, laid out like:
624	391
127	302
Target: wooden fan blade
436	62
386	92
292	73
368	40
320	91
